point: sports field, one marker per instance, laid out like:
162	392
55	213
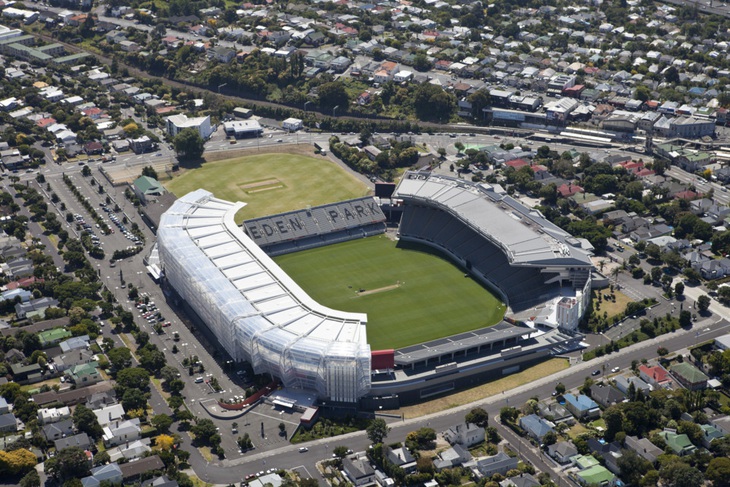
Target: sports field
411	294
271	183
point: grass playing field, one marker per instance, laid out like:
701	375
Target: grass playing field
411	295
271	183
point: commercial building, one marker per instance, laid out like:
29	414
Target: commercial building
243	128
178	123
292	124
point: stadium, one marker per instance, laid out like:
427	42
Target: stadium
260	314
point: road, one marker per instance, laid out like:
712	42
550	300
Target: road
720	194
288	457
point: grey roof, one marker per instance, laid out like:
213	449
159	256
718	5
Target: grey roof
81	440
7	419
535	425
496	462
524	235
74	342
562	448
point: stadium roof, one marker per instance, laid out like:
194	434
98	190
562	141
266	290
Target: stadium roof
268	291
526	237
484	336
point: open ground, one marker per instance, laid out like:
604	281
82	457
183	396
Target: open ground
271	183
418	295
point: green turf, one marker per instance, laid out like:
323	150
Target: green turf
271	183
433	300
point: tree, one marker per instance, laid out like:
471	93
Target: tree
703	303
459	146
421	439
508	414
69	463
204	430
168	373
718	471
550	438
679	289
31	479
332	95
560	388
377	431
432	102
85	421
676	473
133	378
614	422
17	462
189	144
134	399
149	171
120	358
162	422
477	416
101	458
340	451
633	467
164	442
685	319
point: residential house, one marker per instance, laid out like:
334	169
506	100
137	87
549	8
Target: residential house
100	400
358	470
679	443
73	358
523	480
74	343
109	414
80	440
61	429
562	451
656	376
710	434
26	373
83	375
500	463
8	423
4	406
121	432
134	470
464	434
130	451
159	482
555	412
606	395
35	307
221	54
535	426
624	384
453	457
582	406
689	376
596	475
644	448
401	457
53	415
110	474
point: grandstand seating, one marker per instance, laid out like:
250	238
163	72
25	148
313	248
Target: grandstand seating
524	287
317	226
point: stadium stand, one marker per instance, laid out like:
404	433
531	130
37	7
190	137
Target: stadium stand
317	226
518	253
